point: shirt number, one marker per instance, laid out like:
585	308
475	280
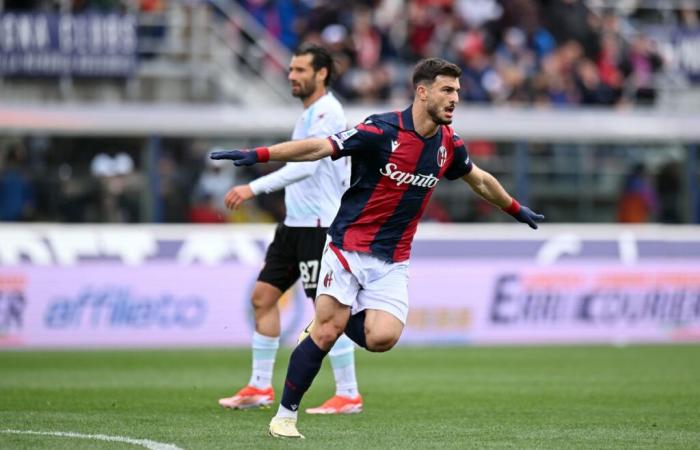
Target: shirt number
309	271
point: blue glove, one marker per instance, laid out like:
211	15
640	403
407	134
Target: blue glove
243	157
524	214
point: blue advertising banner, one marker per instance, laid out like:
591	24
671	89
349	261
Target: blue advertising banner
85	45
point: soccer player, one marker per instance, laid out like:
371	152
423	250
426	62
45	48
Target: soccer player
397	160
312	195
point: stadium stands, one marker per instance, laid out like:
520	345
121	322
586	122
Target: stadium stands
556	55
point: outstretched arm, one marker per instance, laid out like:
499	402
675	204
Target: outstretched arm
488	188
279	179
300	150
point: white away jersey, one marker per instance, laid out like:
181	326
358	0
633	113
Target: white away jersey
312	188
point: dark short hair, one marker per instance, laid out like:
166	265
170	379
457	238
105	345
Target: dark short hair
427	69
321	58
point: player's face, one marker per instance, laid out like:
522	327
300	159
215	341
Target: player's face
443	96
302	76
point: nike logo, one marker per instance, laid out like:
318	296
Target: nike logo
394	145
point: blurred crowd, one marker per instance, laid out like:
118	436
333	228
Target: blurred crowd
120	180
117	181
533	52
542	52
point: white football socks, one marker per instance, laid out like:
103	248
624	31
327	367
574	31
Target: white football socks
342	357
264	352
284	412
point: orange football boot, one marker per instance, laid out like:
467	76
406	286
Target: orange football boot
339	405
249	397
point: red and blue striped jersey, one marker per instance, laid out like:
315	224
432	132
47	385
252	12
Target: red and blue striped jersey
394	173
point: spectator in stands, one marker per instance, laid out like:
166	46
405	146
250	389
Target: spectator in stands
570	20
638	202
669	186
515	63
610	62
175	181
203	210
532	51
118	199
213	184
16	188
688	15
644	62
591	90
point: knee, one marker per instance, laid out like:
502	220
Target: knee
381	342
262	302
325	334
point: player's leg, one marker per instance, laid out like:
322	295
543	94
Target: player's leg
374	329
330	319
338	290
382	330
264	345
266	337
382	305
278	274
347	399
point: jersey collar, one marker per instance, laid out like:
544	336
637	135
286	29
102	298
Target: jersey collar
406	119
406	123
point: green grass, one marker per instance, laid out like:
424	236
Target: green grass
545	397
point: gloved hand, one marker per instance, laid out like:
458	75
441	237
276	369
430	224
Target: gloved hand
524	214
243	157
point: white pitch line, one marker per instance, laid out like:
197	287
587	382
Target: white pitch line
151	445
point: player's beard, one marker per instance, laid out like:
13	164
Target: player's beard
306	89
433	112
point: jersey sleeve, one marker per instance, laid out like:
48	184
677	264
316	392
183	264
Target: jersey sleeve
291	173
461	163
354	140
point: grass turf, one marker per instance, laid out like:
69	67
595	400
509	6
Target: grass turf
453	397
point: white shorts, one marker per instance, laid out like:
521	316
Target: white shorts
362	281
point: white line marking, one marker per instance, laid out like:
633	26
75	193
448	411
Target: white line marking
151	445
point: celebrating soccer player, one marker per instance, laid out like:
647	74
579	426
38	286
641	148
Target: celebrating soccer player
397	160
312	195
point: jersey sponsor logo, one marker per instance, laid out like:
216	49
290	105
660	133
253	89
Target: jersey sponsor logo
394	145
441	156
414	179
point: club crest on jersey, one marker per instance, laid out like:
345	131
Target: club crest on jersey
441	156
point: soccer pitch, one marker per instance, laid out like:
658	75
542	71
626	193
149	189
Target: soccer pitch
451	397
